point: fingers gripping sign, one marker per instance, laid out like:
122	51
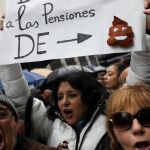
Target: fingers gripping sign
147	7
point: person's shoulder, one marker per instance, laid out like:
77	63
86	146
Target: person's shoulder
34	145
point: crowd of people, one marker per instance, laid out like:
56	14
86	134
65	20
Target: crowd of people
86	113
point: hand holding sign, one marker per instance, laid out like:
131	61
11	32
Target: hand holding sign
1	24
147	12
2	14
147	7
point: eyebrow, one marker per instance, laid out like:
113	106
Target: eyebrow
3	107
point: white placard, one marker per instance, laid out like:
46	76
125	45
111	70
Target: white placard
37	30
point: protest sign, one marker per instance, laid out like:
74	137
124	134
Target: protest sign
37	30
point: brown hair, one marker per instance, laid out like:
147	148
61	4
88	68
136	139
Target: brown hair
119	67
119	100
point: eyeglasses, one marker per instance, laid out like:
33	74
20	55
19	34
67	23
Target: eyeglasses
123	120
4	113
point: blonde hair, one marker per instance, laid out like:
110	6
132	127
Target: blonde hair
119	100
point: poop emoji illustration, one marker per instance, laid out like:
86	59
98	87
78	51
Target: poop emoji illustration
120	34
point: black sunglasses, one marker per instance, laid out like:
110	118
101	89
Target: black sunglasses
123	120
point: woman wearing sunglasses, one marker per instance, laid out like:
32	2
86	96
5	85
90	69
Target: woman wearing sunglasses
128	118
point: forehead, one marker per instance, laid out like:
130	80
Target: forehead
2	105
132	109
65	85
112	68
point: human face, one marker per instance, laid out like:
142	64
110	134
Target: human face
8	130
111	79
135	138
100	76
70	105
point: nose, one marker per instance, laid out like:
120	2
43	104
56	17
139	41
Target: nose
104	77
66	101
137	128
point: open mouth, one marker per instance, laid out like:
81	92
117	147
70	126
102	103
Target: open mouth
68	113
120	37
1	143
144	145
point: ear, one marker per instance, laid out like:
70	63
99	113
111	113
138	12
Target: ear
20	127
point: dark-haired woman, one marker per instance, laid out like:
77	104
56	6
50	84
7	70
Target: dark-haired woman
78	100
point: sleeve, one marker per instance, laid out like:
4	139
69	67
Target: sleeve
41	125
15	86
139	71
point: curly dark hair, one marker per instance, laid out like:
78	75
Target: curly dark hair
91	90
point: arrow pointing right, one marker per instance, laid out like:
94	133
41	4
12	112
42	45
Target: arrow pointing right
80	38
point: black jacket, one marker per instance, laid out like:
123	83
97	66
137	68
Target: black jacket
104	143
